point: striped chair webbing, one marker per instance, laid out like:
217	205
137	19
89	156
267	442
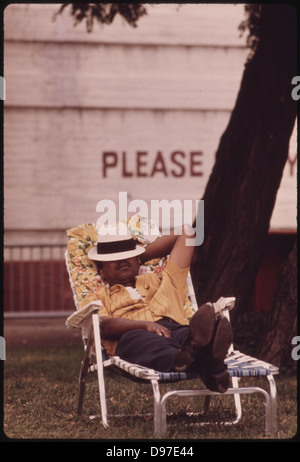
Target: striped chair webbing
134	369
143	373
238	365
242	365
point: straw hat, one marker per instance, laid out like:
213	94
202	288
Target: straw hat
115	246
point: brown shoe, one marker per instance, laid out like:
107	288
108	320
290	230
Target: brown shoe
222	339
213	369
217	381
202	326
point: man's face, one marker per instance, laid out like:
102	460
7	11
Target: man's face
120	271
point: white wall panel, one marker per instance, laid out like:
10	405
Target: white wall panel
191	24
54	160
57	75
168	85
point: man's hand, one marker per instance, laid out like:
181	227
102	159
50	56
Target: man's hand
173	244
157	329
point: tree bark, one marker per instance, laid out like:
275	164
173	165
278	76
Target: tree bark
241	191
276	342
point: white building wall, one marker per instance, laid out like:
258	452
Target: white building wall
88	115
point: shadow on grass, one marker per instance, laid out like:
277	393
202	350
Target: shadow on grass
41	391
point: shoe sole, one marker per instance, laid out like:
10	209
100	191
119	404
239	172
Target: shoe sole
216	377
202	327
222	340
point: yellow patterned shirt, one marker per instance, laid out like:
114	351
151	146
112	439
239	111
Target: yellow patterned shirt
161	296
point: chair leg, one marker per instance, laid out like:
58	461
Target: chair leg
237	400
100	372
84	371
273	405
81	393
159	414
236	397
207	401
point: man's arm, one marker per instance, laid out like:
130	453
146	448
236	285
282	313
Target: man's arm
181	254
173	244
113	328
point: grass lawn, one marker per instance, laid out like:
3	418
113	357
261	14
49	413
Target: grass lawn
40	399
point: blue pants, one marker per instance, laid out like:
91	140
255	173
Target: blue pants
151	350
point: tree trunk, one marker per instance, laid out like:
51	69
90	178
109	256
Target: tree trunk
276	343
241	192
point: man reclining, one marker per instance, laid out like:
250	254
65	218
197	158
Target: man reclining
142	319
